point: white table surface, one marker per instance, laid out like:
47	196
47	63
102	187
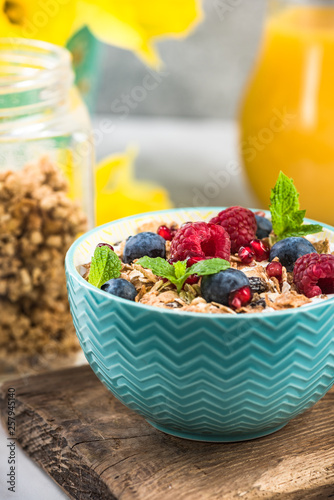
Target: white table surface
181	155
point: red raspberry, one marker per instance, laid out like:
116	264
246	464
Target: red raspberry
240	223
314	274
199	239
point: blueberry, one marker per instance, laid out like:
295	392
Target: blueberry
142	244
289	250
120	287
264	227
218	287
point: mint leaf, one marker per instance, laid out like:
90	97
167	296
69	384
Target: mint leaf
286	216
305	229
180	268
105	266
210	266
178	272
159	266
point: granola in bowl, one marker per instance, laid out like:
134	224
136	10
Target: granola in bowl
235	262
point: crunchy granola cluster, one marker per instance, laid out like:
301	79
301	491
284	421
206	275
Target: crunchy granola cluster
38	223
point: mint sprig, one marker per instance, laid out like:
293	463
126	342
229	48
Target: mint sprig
178	272
105	266
286	216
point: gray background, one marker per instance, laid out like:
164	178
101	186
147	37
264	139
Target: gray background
207	70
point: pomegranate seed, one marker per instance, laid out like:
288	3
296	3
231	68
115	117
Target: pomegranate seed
165	233
193	260
260	250
275	270
246	255
172	260
162	279
260	213
241	297
105	245
192	279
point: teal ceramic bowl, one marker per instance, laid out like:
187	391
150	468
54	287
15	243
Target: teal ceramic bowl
201	376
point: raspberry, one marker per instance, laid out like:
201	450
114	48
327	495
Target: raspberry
314	274
199	239
240	223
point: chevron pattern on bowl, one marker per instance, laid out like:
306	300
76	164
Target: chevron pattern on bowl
201	376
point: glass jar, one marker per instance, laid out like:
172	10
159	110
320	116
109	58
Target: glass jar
46	200
287	113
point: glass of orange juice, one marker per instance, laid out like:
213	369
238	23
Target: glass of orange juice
287	113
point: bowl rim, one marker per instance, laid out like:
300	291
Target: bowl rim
71	269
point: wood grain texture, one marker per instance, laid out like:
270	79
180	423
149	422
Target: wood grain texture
95	448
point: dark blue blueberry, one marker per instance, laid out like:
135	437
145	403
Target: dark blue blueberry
264	227
121	288
218	287
289	250
142	244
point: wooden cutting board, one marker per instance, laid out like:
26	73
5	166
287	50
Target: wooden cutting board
95	448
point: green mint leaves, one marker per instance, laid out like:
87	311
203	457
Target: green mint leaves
286	216
105	266
178	272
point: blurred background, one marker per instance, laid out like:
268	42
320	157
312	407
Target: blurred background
207	71
185	126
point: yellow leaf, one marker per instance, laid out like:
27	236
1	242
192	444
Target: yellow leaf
118	194
47	20
136	24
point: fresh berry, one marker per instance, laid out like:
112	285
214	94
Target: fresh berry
261	251
143	244
199	239
166	233
240	298
264	227
240	223
259	303
260	213
171	261
161	278
105	245
193	279
221	287
314	274
246	255
289	250
120	287
275	270
257	285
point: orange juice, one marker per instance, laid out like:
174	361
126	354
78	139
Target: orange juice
287	116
